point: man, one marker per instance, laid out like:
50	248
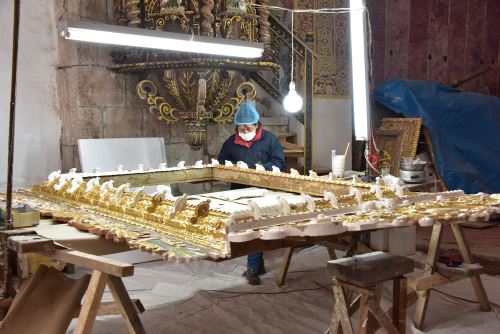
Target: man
252	144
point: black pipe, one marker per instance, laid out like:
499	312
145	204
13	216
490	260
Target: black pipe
12	116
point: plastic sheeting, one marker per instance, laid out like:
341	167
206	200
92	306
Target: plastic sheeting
464	128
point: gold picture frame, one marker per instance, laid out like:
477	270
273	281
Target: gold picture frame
391	141
411	133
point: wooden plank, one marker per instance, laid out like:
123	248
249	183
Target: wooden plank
423	296
306	185
260	223
341	309
94	262
285	264
456	40
129	312
363	315
377	11
112	308
382	317
463	247
30	244
4	235
360	269
440	278
474	41
418	39
438	40
160	177
91	303
397	32
491	45
399	303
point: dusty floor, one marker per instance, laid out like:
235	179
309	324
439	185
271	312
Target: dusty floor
206	297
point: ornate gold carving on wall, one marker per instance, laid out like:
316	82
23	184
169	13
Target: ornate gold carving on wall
196	100
189	87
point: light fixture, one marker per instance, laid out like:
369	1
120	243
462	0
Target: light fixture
162	40
359	67
292	102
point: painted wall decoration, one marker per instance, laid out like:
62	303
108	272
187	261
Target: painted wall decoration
328	36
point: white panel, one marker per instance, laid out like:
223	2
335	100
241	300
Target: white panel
332	130
108	153
38	128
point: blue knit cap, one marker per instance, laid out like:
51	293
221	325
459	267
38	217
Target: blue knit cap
246	114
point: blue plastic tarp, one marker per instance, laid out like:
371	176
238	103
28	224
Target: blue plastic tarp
464	129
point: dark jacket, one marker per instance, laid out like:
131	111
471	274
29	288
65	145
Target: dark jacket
267	151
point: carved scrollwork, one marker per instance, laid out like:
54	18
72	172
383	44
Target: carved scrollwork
148	91
225	114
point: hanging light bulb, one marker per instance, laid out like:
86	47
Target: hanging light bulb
292	102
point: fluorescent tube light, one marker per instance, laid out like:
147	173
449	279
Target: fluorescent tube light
153	39
359	70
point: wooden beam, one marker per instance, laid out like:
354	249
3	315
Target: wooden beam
445	276
306	185
477	284
430	265
112	308
160	177
121	296
30	244
285	264
5	235
108	266
91	303
399	303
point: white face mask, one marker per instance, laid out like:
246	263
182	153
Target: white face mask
247	136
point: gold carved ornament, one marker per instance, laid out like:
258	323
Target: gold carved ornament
195	100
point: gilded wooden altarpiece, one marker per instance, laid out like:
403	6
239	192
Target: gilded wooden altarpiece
193	88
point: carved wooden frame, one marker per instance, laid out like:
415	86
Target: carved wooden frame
391	141
411	133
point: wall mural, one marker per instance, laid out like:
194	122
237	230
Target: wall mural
329	41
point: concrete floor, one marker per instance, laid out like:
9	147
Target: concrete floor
206	297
